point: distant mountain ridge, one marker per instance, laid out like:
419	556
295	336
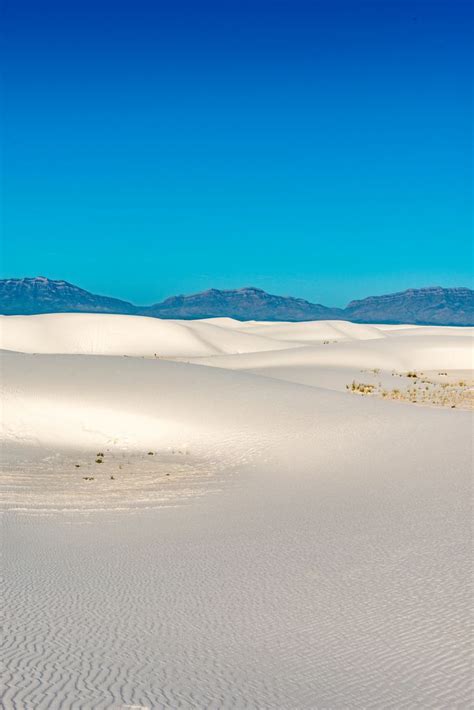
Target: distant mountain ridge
30	296
425	306
243	304
436	305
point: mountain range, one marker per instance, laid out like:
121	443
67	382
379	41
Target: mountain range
424	306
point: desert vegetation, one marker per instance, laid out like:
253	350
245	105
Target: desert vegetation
421	389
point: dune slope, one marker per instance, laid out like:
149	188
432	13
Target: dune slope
97	334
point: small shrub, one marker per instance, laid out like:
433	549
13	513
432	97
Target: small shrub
361	387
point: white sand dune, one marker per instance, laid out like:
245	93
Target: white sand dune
312	331
328	567
98	334
86	401
412	330
428	352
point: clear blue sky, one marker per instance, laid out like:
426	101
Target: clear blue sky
315	148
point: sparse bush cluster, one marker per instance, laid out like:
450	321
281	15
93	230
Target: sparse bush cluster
360	387
421	391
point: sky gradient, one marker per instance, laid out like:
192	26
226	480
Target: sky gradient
317	149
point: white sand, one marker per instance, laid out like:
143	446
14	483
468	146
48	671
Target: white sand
309	549
97	334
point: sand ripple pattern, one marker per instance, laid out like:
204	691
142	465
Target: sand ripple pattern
226	603
114	481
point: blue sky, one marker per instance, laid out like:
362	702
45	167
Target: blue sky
320	149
